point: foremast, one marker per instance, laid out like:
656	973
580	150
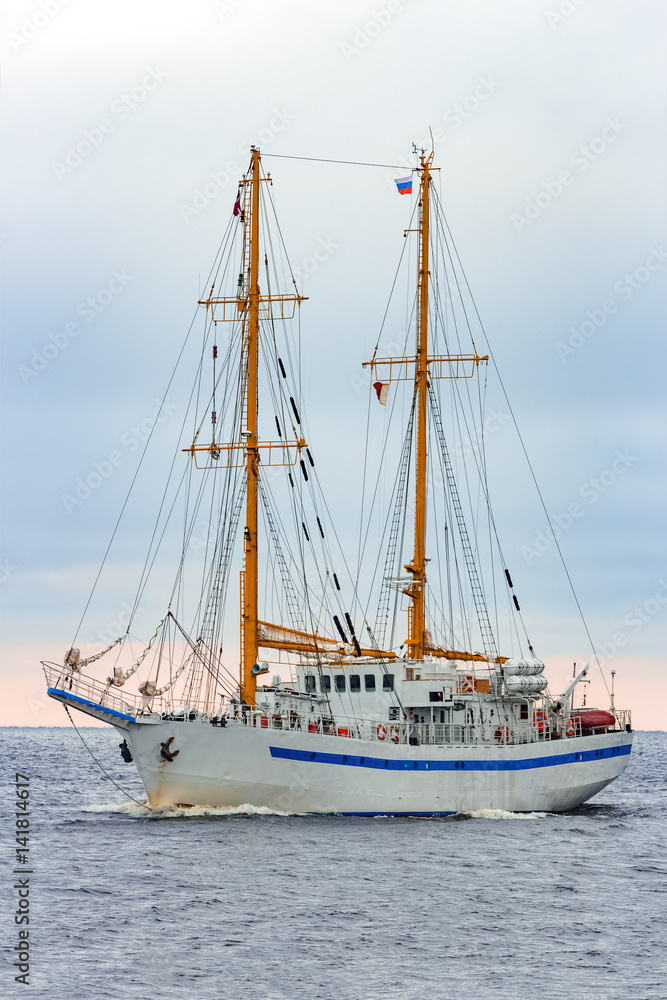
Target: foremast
251	306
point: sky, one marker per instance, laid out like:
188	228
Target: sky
125	130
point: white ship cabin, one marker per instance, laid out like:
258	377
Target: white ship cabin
410	701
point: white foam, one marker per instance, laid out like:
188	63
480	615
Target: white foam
130	808
173	812
502	814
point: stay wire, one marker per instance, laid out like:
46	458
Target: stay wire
351	163
530	467
136	474
105	773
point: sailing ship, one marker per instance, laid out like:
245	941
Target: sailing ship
402	715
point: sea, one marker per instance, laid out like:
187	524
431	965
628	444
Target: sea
244	903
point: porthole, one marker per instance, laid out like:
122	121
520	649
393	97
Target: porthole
313	756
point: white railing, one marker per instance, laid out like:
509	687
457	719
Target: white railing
369	730
107	696
418	734
73	683
623	717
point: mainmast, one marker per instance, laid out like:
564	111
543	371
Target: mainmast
421	369
249	586
417	568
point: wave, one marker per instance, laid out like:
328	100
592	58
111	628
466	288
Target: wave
136	810
502	814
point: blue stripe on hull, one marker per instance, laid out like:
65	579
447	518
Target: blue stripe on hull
380	763
57	693
396	814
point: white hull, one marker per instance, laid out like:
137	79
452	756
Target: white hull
239	765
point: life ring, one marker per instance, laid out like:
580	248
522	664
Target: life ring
569	727
539	721
393	734
381	731
502	734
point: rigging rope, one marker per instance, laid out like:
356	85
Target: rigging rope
351	163
530	467
136	474
105	773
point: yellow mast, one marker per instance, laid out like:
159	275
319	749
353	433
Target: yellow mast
249	586
416	616
421	369
252	306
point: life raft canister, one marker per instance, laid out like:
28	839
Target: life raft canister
393	734
381	731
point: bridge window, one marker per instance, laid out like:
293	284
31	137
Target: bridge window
310	682
369	682
325	683
340	682
355	682
387	682
435	696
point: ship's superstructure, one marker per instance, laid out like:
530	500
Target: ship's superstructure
364	725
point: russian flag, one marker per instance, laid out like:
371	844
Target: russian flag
404	184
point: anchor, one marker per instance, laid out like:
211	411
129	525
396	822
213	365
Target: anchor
166	752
